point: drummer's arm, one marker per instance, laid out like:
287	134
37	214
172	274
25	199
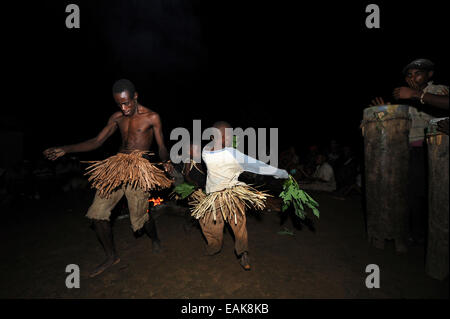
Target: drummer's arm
439	101
406	93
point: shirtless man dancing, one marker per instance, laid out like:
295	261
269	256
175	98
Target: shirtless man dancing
138	126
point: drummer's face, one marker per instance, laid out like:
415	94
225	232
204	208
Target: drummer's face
419	77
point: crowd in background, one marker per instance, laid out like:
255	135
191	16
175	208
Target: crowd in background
40	180
332	168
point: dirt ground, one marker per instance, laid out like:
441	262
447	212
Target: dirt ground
39	239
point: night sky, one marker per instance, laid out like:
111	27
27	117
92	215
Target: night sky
308	69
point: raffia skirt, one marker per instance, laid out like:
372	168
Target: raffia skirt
228	202
129	169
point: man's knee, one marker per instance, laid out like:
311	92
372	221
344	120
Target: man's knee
100	208
138	222
98	215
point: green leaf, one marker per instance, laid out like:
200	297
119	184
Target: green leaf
235	141
298	205
302	196
300	214
293	195
184	190
311	199
316	212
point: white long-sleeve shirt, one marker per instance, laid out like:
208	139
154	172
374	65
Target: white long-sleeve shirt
225	165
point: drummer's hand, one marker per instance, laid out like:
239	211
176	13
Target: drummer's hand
54	153
378	101
405	93
168	167
412	84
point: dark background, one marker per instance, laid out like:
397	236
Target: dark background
308	69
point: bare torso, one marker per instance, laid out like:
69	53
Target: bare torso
136	130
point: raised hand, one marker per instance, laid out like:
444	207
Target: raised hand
378	101
168	167
405	93
412	84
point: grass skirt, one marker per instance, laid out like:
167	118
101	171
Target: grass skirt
123	168
228	202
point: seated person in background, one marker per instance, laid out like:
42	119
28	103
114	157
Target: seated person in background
323	178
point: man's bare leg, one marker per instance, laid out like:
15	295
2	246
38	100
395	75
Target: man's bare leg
104	234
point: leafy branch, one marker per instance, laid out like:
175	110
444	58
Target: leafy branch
292	195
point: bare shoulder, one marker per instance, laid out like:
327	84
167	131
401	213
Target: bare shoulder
149	114
116	116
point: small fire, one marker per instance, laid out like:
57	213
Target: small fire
155	201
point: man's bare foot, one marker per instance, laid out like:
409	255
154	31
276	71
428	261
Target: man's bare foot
110	261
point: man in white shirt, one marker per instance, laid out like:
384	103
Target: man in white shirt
323	178
227	197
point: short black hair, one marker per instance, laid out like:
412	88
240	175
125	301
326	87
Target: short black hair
124	85
220	124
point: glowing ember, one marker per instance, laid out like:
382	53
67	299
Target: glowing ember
156	201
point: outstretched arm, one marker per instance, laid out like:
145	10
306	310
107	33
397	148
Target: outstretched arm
53	153
440	101
413	93
252	165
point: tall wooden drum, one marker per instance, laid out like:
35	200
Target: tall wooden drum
437	247
386	155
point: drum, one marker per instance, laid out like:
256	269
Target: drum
437	247
386	155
